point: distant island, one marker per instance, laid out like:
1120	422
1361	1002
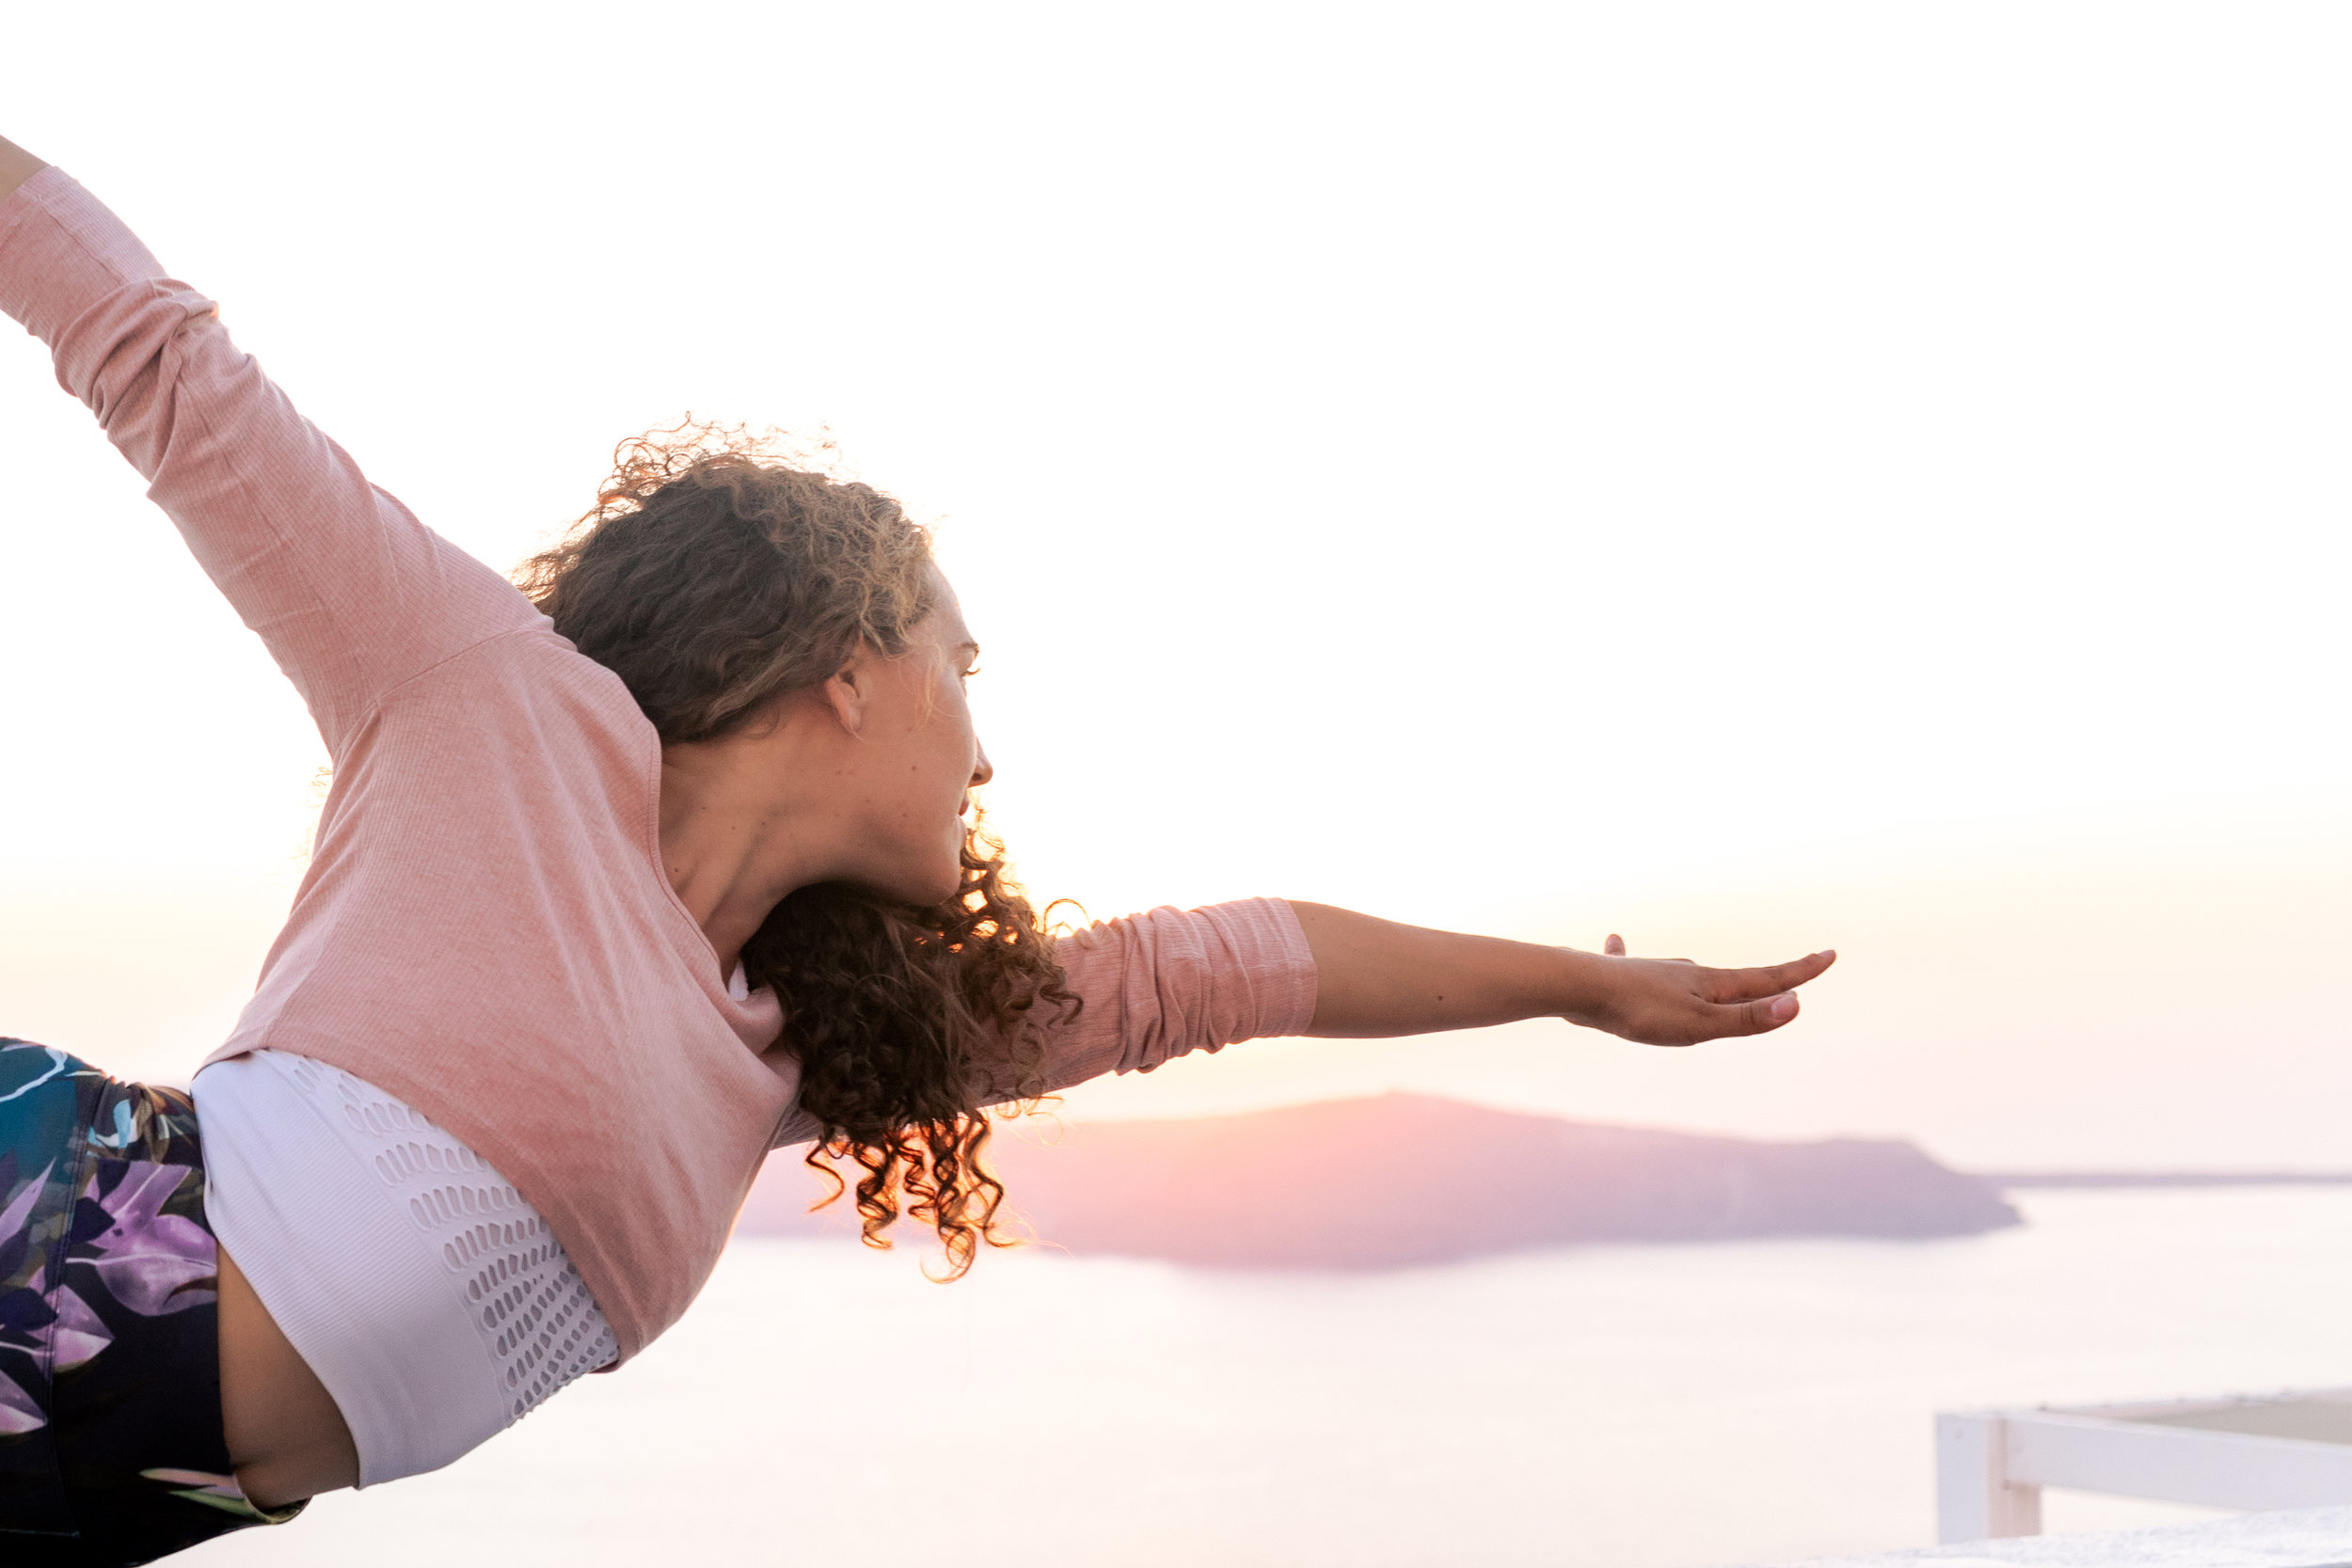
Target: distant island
2007	1180
1403	1179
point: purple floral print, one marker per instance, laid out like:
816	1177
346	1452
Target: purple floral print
110	1428
150	1261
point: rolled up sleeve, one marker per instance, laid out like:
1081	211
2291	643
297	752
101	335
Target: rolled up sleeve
1169	982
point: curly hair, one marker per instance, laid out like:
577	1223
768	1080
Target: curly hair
714	575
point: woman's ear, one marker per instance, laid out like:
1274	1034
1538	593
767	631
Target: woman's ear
846	690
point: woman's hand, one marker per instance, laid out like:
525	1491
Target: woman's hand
1675	1002
16	166
1376	979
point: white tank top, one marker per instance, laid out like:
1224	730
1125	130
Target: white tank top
432	1302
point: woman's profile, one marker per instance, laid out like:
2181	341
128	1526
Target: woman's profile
647	861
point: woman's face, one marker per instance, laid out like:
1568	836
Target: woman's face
916	761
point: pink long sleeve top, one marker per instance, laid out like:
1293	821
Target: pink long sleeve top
484	929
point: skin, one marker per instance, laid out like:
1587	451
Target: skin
867	779
16	166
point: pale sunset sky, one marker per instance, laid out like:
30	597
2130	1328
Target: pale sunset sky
1752	478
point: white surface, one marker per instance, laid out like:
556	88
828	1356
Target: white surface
2290	1450
1977	1496
2310	1538
2215	1469
1661	1407
432	1300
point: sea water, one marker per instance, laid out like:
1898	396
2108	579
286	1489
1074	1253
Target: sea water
1625	1407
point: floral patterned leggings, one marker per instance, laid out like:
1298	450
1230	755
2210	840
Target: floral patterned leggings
111	1450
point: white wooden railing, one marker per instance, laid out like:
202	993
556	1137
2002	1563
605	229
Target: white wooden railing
2256	1452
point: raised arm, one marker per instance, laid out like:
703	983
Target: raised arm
350	592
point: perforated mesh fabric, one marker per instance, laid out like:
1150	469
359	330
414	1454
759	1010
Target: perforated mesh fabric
526	1300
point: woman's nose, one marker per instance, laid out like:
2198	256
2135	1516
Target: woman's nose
982	770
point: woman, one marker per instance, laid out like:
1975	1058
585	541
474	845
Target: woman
624	881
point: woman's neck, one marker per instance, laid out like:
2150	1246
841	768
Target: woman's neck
734	843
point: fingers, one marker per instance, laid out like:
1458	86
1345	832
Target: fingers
1801	970
1758	1017
1711	1004
1722	1020
1736	985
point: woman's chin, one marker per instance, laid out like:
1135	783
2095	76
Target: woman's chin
922	891
921	882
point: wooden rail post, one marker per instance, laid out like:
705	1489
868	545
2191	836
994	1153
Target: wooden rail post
1975	1499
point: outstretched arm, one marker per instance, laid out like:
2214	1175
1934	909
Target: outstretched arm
1169	982
352	594
1376	979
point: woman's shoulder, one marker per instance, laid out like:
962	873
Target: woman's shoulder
526	671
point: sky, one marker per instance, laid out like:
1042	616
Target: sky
1755	479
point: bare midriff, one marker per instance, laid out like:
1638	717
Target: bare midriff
286	1438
